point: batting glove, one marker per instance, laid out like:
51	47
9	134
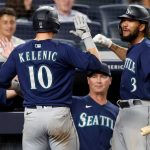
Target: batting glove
101	39
82	29
15	85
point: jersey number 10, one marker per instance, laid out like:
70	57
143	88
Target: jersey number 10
40	77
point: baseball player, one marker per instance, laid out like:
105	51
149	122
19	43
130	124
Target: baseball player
135	81
45	70
94	116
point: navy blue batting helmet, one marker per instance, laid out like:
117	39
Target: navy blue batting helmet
45	19
136	12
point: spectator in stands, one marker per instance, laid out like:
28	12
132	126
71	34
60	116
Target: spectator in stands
135	1
24	8
7	42
7	30
145	3
65	11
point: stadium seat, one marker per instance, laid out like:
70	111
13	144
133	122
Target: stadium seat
65	27
113	30
37	3
24	30
69	42
2	4
96	3
82	8
79	7
2	1
124	2
93	11
109	13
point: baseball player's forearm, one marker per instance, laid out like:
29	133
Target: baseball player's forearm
10	94
119	51
107	42
91	47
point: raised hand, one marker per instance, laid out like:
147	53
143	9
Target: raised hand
82	29
7	47
103	40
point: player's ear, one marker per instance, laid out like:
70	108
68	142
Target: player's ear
110	80
142	27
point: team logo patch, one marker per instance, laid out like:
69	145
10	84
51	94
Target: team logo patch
88	106
38	46
28	113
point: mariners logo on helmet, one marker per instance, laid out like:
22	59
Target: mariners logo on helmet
45	19
129	12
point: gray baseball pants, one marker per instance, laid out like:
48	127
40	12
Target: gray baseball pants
126	135
49	128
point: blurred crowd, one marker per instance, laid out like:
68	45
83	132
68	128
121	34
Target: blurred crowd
103	12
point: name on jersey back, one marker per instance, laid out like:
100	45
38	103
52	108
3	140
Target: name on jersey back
37	55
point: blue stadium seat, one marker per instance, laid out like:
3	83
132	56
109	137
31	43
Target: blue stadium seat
82	8
65	27
69	42
97	3
24	30
93	11
109	13
79	7
113	30
2	1
37	3
2	4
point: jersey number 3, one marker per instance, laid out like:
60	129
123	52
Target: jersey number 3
133	83
40	77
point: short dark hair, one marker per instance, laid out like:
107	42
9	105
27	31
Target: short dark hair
7	11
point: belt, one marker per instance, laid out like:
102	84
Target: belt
35	107
128	103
